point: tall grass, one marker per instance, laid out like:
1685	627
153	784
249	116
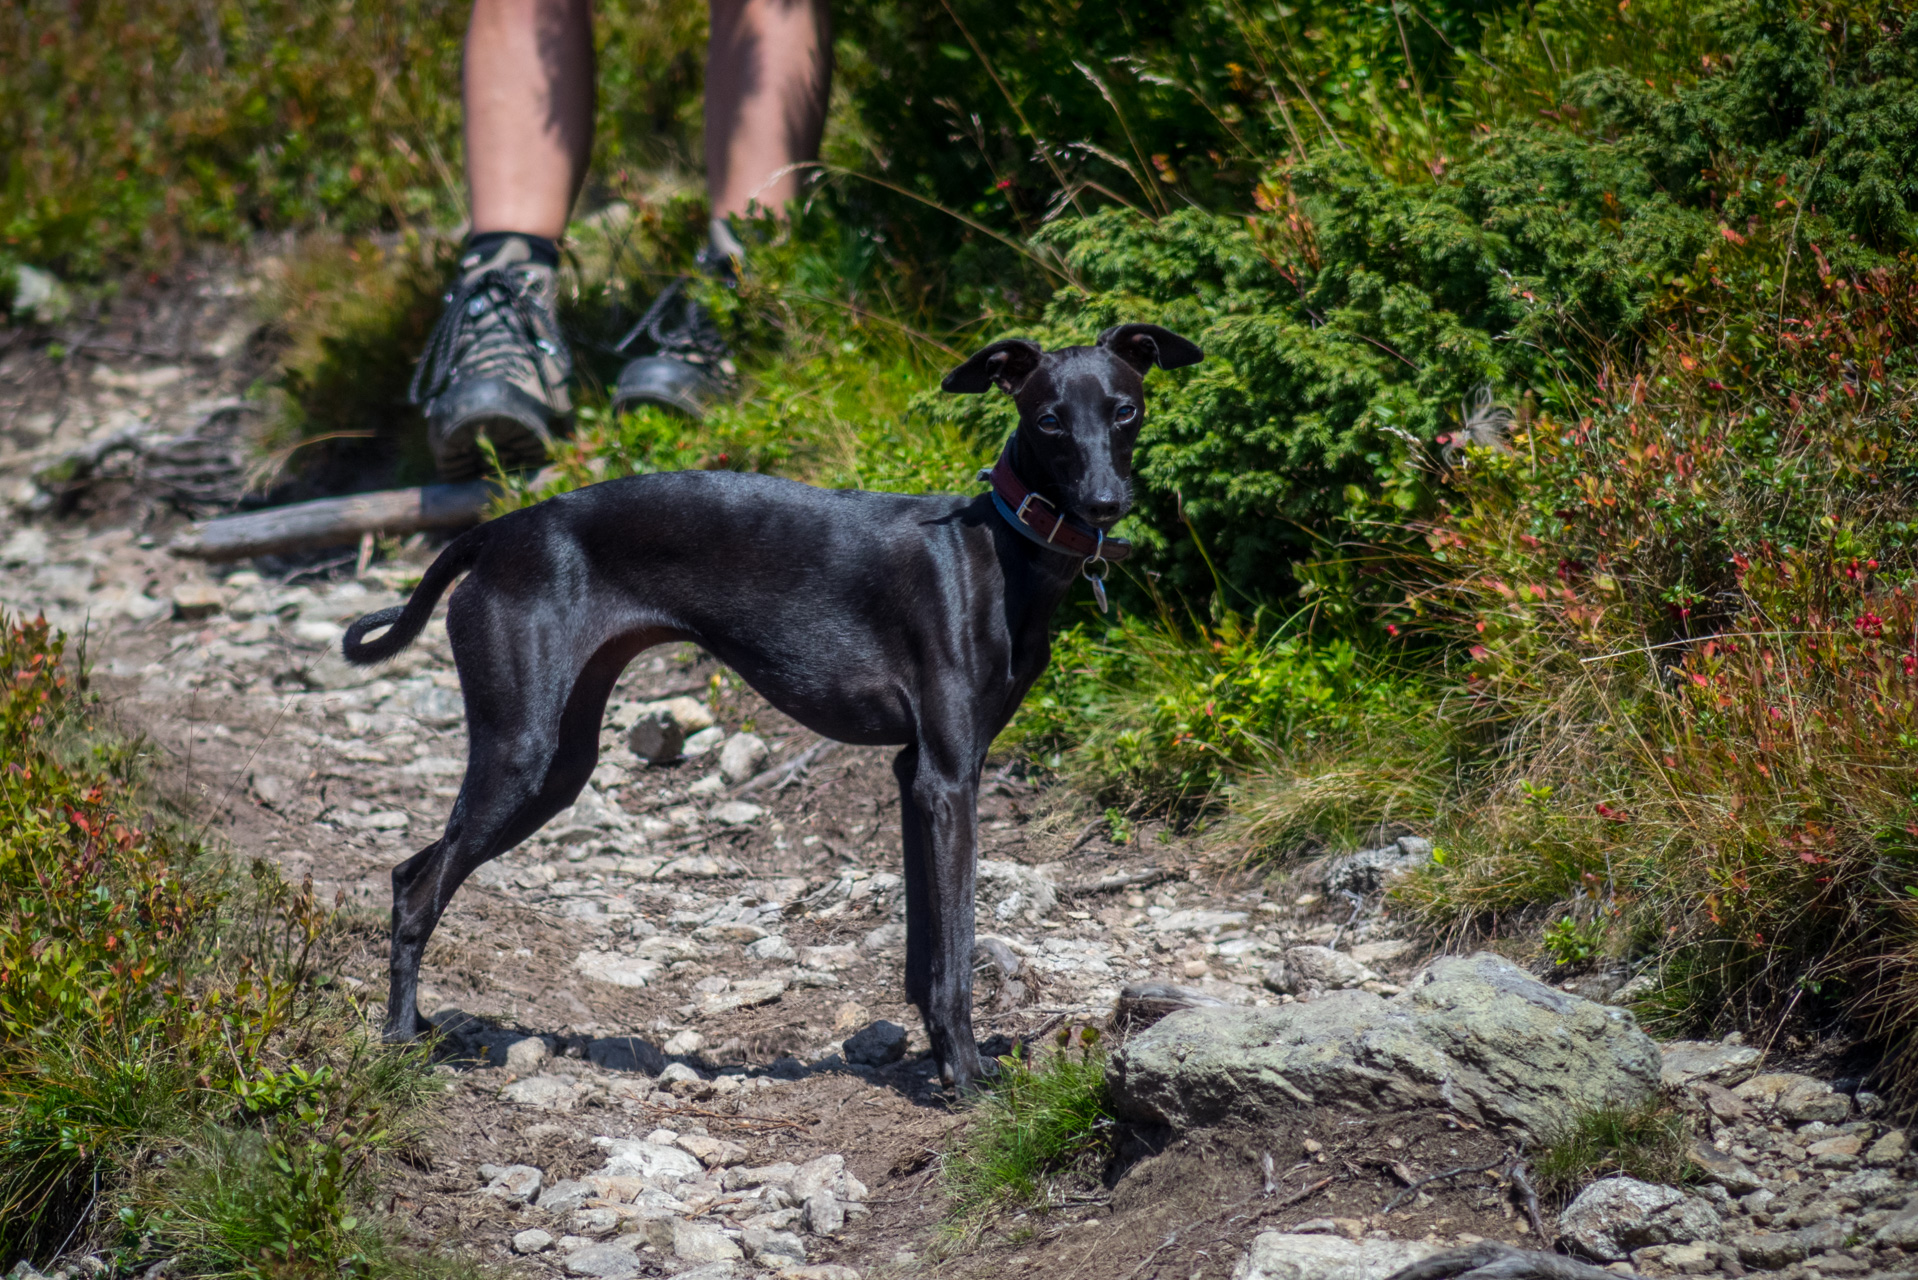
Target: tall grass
1039	1122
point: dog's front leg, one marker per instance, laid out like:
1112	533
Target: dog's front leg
939	818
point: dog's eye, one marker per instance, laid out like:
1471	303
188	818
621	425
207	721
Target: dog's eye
1049	422
1126	413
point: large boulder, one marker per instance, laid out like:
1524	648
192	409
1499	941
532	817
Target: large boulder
1472	1034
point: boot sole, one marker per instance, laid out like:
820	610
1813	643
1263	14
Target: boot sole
520	427
668	383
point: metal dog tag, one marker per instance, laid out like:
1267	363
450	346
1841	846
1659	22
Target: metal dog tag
1098	581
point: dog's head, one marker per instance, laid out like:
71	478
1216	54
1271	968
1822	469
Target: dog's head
1080	410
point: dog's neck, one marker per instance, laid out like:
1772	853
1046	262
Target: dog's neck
1035	479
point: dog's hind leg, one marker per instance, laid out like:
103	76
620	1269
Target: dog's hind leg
505	797
531	747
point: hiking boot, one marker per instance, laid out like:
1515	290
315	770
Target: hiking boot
691	366
496	364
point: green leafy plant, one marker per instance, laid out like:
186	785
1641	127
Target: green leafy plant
1569	941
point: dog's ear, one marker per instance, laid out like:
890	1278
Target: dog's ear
1144	345
1006	364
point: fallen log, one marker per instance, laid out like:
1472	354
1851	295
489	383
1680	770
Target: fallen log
333	522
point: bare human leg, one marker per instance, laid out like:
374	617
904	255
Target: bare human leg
528	91
768	75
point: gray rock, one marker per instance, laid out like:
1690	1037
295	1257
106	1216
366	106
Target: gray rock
637	1158
1690	1061
1888	1150
1795	1097
723	1270
525	1057
1310	969
822	1173
614	1260
1769	1251
1009	891
698	744
1370	870
741	757
878	1045
566	1195
774	948
769	1175
532	1240
1726	1171
551	1093
1609	1219
193	601
626	1053
1831	1233
1279	1255
703	1242
884	938
824	1215
1474	1034
1901	1230
737	813
1869	1187
775	1249
518	1183
656	737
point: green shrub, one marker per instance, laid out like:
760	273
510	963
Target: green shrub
1163	713
1686	619
158	1015
1036	1122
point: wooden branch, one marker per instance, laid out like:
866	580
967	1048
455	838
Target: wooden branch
1429	1179
1491	1260
333	522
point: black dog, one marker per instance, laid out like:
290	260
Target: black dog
872	618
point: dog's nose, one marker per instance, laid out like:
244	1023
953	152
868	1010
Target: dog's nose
1104	511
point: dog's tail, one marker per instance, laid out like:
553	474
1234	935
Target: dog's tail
404	622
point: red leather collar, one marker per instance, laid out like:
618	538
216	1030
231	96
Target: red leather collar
1044	523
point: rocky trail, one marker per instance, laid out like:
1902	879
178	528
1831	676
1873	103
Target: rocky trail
673	1026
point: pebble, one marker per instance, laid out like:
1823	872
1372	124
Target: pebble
524	1057
614	1260
532	1240
194	601
703	1242
518	1183
742	756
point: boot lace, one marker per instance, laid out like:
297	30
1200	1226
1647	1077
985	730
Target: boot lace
679	327
491	326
